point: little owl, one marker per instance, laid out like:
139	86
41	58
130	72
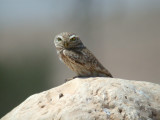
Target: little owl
77	57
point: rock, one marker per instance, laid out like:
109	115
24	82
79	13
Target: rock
96	98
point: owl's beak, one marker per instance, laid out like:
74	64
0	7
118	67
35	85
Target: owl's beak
66	44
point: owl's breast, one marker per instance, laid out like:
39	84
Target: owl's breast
63	58
70	62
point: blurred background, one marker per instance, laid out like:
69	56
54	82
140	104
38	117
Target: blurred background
124	35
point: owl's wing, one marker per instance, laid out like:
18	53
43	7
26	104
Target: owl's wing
88	60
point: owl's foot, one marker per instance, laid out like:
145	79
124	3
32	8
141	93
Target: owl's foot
68	79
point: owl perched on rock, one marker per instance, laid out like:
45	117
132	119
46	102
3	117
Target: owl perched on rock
77	57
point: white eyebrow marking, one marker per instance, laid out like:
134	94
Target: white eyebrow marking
72	36
59	36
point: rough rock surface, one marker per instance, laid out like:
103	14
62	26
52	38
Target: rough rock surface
92	99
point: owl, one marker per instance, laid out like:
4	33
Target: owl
77	57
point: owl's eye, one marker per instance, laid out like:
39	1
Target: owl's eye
73	39
59	39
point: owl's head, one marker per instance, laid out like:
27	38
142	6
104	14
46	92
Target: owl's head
67	40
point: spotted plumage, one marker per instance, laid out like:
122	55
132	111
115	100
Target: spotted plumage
77	57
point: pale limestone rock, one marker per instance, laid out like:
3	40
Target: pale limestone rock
92	99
